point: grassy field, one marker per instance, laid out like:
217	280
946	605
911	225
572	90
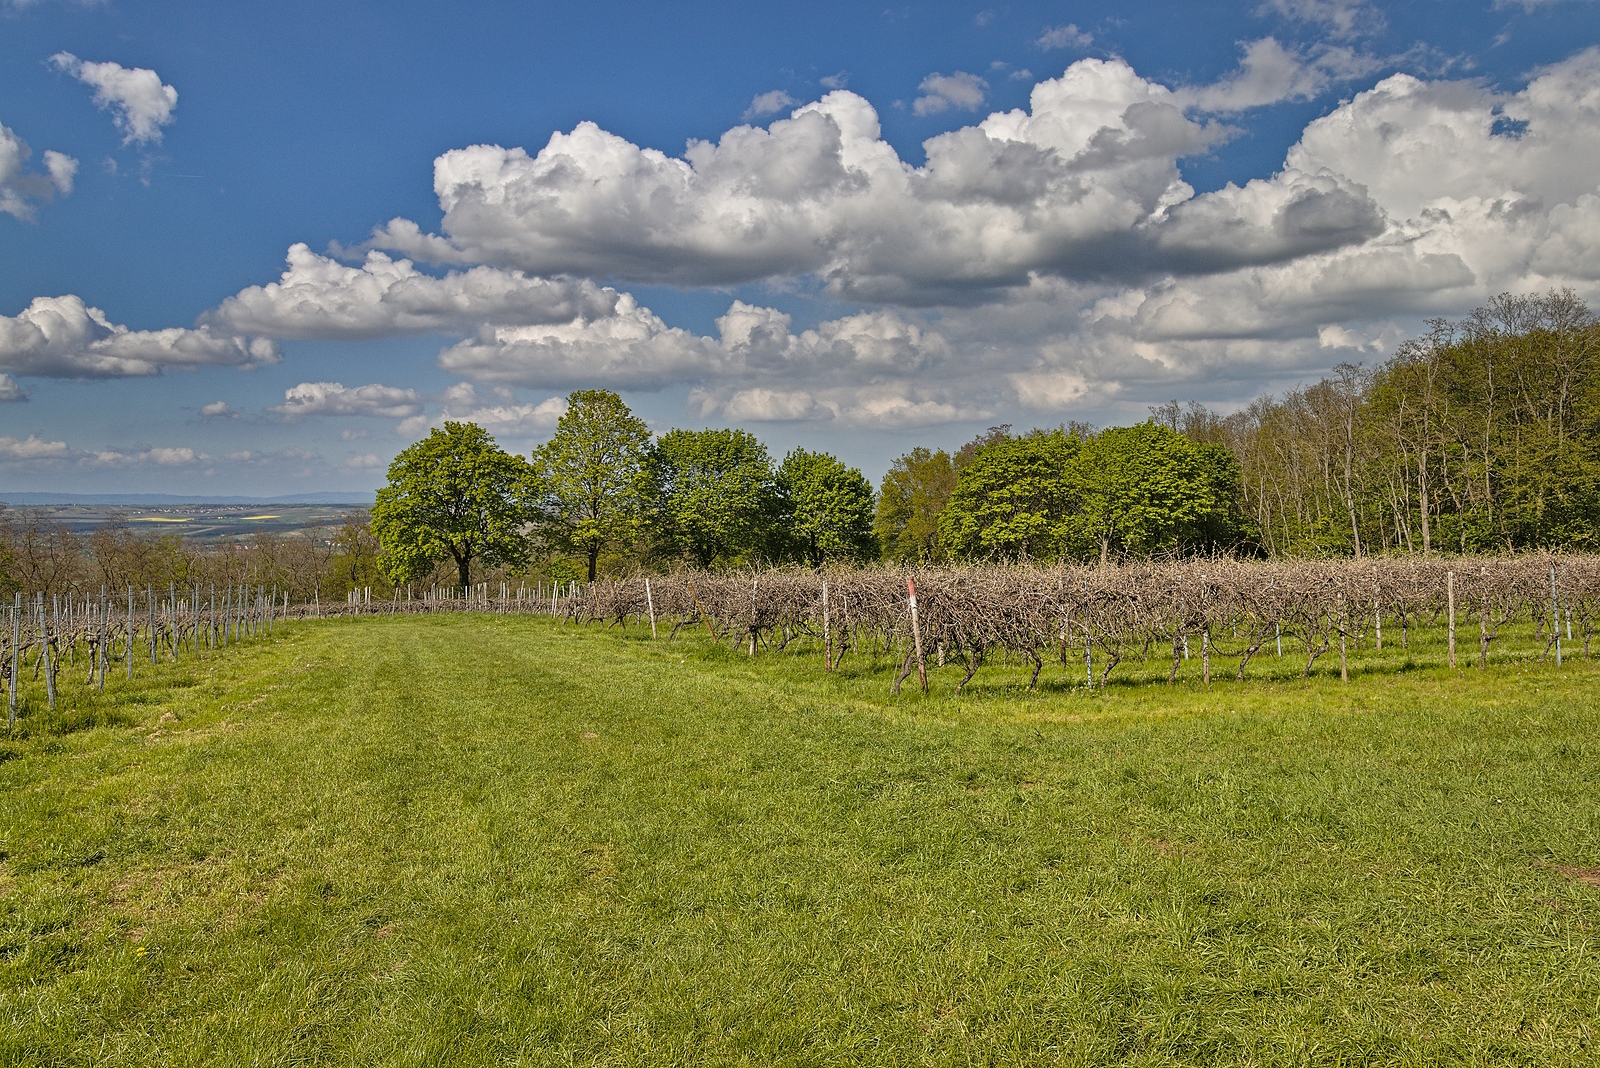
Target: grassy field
496	840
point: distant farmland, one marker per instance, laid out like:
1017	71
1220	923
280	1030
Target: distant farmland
200	522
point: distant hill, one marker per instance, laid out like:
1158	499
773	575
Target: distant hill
28	500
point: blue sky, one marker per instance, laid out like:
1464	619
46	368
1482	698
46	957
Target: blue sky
899	225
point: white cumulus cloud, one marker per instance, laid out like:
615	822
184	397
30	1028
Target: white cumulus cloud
1270	73
319	297
291	455
1482	192
62	337
630	348
1068	36
941	92
63	169
36	450
334	398
501	414
757	368
769	103
21	189
1502	183
10	391
871	369
181	456
139	103
1047	259
32	447
1080	185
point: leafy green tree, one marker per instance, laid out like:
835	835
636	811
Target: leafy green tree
718	500
1478	435
1011	498
1226	527
915	490
1519	452
968	452
596	472
357	560
827	508
453	494
1140	489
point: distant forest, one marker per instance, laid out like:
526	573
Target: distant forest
1481	435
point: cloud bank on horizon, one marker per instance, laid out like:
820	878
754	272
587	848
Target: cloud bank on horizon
1037	262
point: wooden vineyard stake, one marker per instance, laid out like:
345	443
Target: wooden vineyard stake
1088	640
916	632
650	603
16	652
827	635
1483	633
1450	601
44	653
1555	615
102	654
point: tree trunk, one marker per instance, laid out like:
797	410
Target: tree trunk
594	561
464	570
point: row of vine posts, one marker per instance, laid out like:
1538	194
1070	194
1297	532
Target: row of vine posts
117	630
1106	615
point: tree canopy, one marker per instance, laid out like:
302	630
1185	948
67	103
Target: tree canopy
1478	435
717	499
1139	489
827	508
914	492
1011	498
454	494
595	472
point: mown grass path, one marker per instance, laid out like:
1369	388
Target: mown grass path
496	840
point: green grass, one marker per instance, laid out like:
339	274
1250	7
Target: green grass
496	840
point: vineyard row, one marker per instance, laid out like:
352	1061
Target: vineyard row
1104	615
1108	615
